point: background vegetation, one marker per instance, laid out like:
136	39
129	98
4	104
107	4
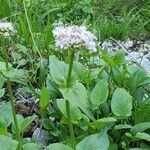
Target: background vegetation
30	63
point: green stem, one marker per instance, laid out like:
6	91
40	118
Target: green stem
10	91
70	68
14	113
70	125
67	102
30	30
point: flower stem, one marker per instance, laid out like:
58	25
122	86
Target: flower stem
70	125
70	68
10	91
14	113
67	102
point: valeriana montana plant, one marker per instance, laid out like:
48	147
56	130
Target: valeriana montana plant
7	30
72	38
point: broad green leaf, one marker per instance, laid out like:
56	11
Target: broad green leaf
143	136
58	70
48	124
138	78
31	146
80	72
117	76
122	126
76	114
6	112
103	122
23	123
17	75
140	127
84	123
52	87
22	48
3	126
139	136
16	56
121	103
22	62
7	143
99	93
144	81
44	98
94	142
133	68
113	146
77	96
26	122
95	72
3	131
129	135
58	146
3	122
44	101
2	92
3	66
20	119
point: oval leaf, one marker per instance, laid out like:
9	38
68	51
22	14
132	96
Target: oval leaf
99	93
44	101
7	143
121	103
122	126
95	142
140	127
74	110
143	136
102	122
80	72
29	146
6	112
58	70
77	96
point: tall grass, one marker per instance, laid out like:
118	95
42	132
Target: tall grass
108	18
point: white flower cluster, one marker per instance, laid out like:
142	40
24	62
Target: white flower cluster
7	29
74	36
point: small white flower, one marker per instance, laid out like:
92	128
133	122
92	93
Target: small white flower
7	29
74	36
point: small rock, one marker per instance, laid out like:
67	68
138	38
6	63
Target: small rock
128	44
40	135
145	63
134	55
